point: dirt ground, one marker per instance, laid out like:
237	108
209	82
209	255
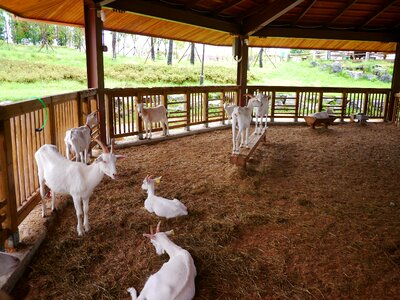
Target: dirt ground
316	215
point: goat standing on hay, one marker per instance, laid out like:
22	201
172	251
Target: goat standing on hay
175	279
261	111
76	179
162	207
78	139
241	117
153	115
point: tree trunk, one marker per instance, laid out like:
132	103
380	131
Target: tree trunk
261	58
170	50
192	53
153	54
114	44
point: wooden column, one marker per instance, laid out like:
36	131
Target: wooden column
94	58
242	65
395	84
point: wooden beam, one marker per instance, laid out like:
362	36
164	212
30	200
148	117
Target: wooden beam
329	34
340	13
395	88
166	12
389	4
304	12
225	6
267	14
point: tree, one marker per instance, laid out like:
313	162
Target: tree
77	38
192	49
170	51
114	44
2	25
62	35
153	55
261	58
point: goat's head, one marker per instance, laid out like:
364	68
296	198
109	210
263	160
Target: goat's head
107	160
139	108
155	238
149	181
91	119
254	102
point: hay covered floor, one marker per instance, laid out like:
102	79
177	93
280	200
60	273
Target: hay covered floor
314	216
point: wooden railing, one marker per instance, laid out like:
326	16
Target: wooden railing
187	106
396	109
20	137
297	102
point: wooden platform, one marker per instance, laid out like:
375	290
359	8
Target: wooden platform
312	121
245	153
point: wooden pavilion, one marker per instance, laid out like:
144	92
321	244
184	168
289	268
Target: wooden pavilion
356	25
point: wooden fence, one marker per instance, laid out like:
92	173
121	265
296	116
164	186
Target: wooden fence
187	106
20	137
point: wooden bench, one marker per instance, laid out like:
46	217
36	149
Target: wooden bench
245	153
312	121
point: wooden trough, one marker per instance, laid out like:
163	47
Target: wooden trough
245	153
312	121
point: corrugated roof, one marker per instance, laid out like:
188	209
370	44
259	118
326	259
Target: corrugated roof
368	25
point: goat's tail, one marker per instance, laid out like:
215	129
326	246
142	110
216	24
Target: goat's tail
133	293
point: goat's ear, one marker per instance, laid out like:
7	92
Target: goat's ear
99	159
158	179
148	235
170	232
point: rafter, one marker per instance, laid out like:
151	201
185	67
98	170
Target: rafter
267	14
225	6
328	34
340	13
304	12
162	11
389	4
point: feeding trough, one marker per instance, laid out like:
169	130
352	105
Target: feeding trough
313	121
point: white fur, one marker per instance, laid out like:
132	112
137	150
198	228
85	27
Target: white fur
76	179
175	279
153	115
78	139
261	111
162	207
229	109
241	117
7	263
323	114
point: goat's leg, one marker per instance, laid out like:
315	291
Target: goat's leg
150	127
233	136
85	156
53	201
68	151
133	293
145	129
239	135
86	214
166	124
247	137
266	119
256	128
78	210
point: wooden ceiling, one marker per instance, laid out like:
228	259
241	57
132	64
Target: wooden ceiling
369	25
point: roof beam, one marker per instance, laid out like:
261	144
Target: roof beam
162	11
267	14
340	13
225	6
389	4
304	12
328	34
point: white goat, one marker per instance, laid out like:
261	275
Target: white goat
323	114
78	139
153	115
175	279
241	117
160	206
261	111
76	179
7	263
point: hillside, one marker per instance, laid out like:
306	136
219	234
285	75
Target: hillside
27	72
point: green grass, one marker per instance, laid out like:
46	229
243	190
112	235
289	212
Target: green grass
27	72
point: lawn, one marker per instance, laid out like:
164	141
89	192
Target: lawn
27	72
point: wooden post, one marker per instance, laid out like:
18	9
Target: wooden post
187	109
344	105
242	65
205	109
395	88
320	101
140	121
296	107
7	180
273	106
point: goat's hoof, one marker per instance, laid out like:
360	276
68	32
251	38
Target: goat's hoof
247	147
87	228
